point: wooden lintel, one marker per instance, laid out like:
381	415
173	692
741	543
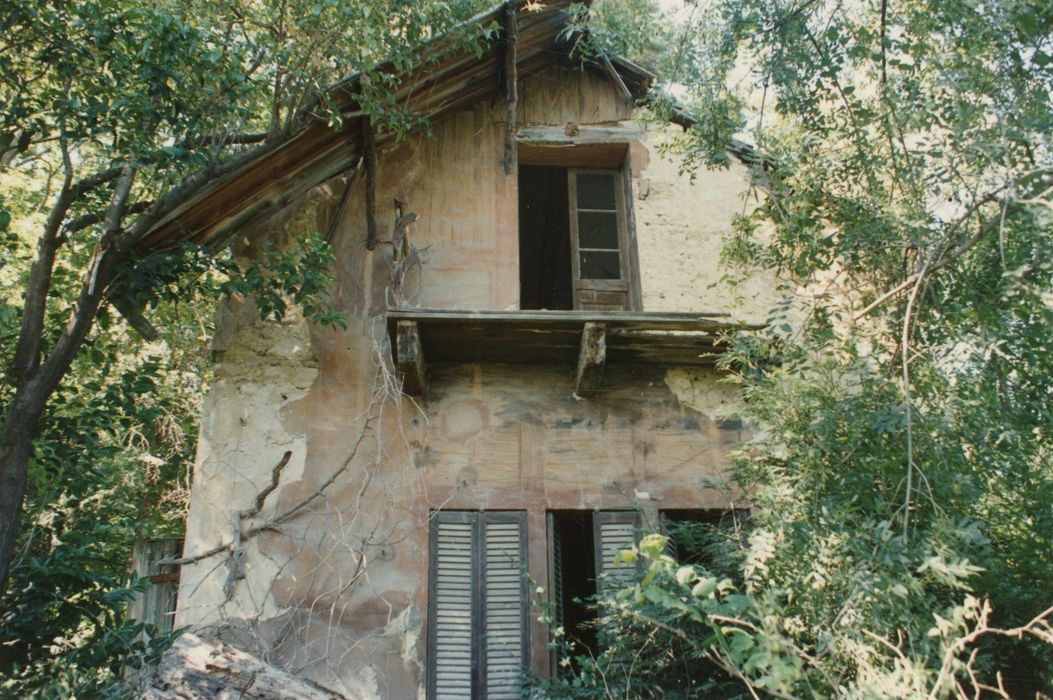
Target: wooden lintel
170	577
511	88
369	138
410	358
581	135
592	357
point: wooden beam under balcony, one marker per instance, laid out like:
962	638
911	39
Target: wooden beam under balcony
450	336
592	357
410	358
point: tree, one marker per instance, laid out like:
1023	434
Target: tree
128	109
902	492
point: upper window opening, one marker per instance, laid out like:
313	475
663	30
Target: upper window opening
573	239
544	239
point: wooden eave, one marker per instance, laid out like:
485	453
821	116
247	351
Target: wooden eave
318	152
422	337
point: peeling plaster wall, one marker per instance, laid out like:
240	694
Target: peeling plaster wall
681	223
339	592
258	371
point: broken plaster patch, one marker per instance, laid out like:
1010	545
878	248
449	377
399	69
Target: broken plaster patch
703	391
407	627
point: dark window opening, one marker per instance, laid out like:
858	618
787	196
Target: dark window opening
698	536
583	559
545	272
574	577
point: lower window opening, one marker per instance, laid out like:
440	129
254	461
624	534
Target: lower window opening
696	536
574	585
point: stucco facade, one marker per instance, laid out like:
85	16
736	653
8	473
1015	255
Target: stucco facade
336	587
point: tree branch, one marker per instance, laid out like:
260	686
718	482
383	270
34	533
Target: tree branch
87	220
943	261
27	350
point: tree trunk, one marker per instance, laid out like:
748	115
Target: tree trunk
195	668
16	447
33	390
36	381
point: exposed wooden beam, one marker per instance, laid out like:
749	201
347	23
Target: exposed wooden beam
339	213
511	87
639	320
133	314
369	139
617	78
410	359
559	135
592	358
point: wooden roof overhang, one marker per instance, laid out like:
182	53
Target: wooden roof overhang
585	341
318	152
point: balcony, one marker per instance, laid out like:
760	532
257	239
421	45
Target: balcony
583	341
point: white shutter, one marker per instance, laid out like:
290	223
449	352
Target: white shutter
452	605
615	531
505	612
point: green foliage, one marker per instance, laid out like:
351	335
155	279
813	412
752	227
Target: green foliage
173	89
112	461
902	473
110	466
68	631
301	276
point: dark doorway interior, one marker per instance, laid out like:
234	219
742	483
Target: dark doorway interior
575	568
544	239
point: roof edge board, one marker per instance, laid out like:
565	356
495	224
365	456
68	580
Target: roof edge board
435	94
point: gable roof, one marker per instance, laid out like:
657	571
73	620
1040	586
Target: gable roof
318	152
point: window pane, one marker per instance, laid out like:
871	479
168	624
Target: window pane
600	265
596	191
598	230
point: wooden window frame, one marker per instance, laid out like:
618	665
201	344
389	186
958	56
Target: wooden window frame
628	279
619	211
478	519
606	149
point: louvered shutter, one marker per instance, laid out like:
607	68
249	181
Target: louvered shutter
614	531
478	610
452	610
506	612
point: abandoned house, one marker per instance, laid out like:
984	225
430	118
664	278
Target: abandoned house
525	383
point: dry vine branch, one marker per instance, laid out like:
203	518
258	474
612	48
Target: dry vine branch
907	401
947	258
1039	627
